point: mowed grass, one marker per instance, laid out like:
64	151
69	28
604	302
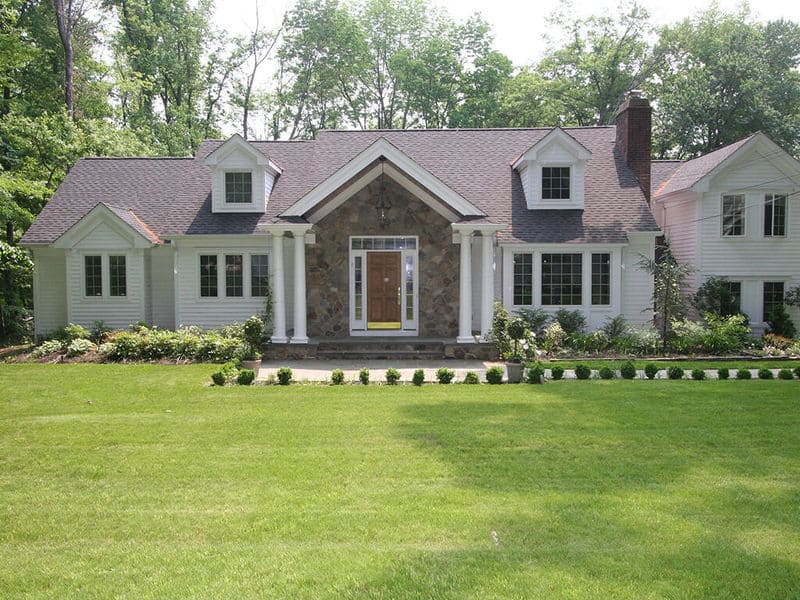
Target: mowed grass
138	482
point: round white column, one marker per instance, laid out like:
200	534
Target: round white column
465	291
487	284
300	335
278	291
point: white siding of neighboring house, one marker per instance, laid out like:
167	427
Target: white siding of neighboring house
49	290
115	312
679	219
161	287
191	309
637	284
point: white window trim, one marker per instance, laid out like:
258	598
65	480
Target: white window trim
559	165
225	201
247	288
105	275
408	327
722	233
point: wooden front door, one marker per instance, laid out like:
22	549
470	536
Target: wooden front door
383	290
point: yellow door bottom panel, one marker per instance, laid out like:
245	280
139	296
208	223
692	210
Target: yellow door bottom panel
387	325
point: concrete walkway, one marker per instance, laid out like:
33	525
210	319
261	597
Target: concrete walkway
320	370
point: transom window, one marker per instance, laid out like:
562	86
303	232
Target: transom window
555	183
773	296
523	279
117	276
562	279
601	279
259	274
775	215
383	243
93	272
733	215
238	187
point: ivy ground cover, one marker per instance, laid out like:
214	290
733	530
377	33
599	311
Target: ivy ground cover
137	481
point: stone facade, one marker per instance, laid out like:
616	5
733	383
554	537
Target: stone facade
327	262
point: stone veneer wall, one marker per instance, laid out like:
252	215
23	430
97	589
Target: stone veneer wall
328	270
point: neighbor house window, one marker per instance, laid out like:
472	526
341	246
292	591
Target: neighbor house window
208	275
601	279
117	276
93	272
234	277
733	215
775	215
561	279
555	183
523	279
773	296
259	275
238	187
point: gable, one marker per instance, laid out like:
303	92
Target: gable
104	229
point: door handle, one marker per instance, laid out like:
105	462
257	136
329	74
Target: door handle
398	295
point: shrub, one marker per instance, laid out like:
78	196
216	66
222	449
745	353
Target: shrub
227	373
218	378
744	374
765	373
444	375
71	332
675	372
494	375
638	340
606	373
725	334
571	321
557	373
554	336
99	332
337	377
499	335
47	347
472	378
687	336
363	376
536	373
715	296
253	331
79	347
419	377
785	374
627	370
535	318
284	376
651	370
392	376
723	373
698	374
614	327
797	372
582	372
780	322
246	377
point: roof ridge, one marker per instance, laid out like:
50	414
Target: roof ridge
136	158
459	129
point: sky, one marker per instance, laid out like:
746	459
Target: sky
520	27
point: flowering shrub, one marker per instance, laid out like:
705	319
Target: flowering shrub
79	347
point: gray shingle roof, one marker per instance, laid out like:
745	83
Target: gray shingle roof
173	196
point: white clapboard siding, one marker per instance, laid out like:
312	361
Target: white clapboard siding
680	216
162	287
637	284
49	290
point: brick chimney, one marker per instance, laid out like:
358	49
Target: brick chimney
633	137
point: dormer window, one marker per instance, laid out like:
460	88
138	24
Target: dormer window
239	187
555	183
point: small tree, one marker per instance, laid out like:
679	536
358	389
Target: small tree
669	302
715	296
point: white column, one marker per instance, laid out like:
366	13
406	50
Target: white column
465	291
300	336
487	284
278	291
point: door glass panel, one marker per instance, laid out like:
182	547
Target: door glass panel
409	288
359	289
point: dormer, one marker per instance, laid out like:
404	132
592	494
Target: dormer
552	172
241	177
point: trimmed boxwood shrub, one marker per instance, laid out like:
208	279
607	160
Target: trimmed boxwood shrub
675	372
419	377
797	372
785	374
651	370
557	373
246	377
284	376
765	373
218	378
392	376
606	373
582	372
472	378
535	373
723	373
628	370
445	375
363	376
337	377
744	374
698	374
494	375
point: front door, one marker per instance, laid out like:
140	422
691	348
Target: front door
383	290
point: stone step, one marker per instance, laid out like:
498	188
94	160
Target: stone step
380	354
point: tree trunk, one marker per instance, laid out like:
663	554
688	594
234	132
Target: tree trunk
64	22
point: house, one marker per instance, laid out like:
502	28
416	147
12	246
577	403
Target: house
395	234
735	213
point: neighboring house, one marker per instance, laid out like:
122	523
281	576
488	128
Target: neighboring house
356	233
735	213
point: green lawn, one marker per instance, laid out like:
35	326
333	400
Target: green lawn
137	482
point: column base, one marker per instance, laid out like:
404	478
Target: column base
279	340
298	340
466	340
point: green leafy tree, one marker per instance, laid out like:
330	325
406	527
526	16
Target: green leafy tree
714	296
